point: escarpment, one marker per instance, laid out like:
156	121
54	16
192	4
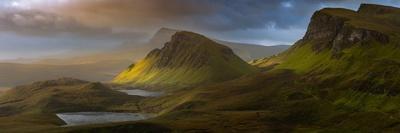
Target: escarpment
338	29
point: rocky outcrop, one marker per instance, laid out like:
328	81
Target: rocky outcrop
323	28
333	29
349	36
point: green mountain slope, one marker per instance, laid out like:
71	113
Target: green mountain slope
359	47
188	59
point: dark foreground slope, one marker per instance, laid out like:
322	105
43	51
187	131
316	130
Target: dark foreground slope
188	59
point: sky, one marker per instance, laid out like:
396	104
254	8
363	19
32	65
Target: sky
46	28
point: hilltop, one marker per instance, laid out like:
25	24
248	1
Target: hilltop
187	59
245	51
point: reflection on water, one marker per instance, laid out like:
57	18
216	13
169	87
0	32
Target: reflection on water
84	118
137	92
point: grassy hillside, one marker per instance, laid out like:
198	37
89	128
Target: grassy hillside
63	95
364	54
188	59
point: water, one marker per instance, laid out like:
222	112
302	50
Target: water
84	118
137	92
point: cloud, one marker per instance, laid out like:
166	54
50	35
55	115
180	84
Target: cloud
205	15
140	14
39	23
91	17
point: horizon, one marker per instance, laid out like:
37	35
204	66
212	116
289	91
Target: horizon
42	29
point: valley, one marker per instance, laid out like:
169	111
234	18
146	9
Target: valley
341	76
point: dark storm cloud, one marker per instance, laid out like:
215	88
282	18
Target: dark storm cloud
208	14
199	15
254	14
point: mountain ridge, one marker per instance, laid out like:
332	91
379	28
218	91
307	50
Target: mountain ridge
187	59
245	51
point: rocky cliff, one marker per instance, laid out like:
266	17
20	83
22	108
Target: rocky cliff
350	49
338	29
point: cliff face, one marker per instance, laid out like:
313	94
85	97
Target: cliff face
353	49
337	29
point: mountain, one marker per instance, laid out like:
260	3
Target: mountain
245	51
187	59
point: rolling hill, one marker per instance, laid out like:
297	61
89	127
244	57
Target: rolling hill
33	107
61	95
188	59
